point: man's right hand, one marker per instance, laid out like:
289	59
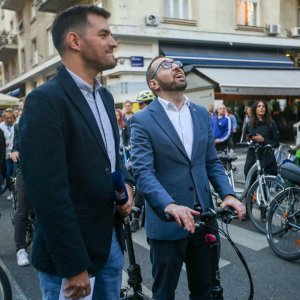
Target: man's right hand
183	216
78	286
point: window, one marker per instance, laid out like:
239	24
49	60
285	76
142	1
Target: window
35	54
177	9
33	12
247	12
23	61
298	13
50	42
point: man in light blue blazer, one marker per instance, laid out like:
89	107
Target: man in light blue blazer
174	158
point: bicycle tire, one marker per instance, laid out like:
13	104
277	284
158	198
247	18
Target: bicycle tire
258	213
5	287
283	238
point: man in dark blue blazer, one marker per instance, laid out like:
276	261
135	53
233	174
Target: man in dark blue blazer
174	158
69	146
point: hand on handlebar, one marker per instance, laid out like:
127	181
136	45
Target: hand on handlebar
237	205
183	216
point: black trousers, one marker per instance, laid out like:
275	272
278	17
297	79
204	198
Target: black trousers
22	213
167	258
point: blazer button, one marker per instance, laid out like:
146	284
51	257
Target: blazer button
107	171
191	188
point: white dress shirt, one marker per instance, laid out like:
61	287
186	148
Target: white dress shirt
182	122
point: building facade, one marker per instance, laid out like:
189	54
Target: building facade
260	34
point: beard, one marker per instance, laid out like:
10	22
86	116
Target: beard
106	62
172	86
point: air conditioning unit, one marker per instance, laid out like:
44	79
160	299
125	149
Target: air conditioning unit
152	20
296	31
273	29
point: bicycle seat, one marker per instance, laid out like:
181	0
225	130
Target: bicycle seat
291	172
227	158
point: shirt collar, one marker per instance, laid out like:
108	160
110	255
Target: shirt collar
83	85
171	106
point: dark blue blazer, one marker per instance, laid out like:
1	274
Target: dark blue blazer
66	172
164	172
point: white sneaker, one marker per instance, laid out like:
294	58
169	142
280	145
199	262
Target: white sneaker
22	258
9	197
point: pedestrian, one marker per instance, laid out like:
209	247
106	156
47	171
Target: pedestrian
261	129
69	149
23	206
122	133
221	127
2	160
7	126
211	111
144	98
128	113
174	158
234	128
248	114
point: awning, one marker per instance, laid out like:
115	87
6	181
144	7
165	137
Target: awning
7	101
258	82
227	56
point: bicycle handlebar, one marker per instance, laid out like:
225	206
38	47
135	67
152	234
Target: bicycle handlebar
227	215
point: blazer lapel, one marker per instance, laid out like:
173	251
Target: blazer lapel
77	98
196	125
166	125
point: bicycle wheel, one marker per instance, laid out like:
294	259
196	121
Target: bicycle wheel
5	288
256	208
283	226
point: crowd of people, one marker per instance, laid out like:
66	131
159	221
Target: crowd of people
72	140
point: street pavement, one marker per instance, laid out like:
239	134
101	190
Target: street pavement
273	278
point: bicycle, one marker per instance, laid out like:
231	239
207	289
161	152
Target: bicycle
207	219
283	224
31	215
134	289
261	192
5	287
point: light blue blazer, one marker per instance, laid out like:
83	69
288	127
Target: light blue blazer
165	174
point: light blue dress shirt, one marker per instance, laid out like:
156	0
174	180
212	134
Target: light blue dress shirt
96	104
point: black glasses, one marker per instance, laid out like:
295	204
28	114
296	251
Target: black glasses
167	64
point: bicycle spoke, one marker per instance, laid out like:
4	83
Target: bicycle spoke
283	229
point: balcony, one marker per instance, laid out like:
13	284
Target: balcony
11	4
54	6
8	45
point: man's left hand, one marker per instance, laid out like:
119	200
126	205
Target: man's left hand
125	209
237	205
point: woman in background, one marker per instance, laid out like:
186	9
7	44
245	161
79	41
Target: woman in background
263	130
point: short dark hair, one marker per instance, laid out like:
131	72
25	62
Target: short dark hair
150	70
74	19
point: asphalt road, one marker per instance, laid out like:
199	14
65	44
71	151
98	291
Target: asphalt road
273	278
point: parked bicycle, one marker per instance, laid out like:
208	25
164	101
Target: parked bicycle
283	224
5	287
262	191
207	219
259	187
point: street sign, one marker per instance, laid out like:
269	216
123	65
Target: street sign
137	61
